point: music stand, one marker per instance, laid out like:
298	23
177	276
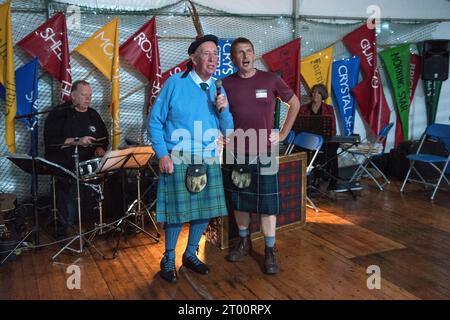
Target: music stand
36	165
136	158
80	235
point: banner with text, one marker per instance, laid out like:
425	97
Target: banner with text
345	75
49	44
224	67
316	68
368	93
397	63
7	78
284	60
102	50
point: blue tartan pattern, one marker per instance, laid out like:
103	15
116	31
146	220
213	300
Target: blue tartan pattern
263	196
175	204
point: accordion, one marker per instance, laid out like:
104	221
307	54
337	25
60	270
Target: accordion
281	111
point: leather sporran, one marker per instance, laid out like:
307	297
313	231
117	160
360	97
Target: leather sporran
241	176
196	177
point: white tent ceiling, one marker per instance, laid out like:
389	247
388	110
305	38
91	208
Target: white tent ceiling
402	9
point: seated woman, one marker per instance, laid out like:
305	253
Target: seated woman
317	107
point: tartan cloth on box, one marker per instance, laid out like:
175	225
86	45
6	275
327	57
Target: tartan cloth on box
175	204
262	196
290	178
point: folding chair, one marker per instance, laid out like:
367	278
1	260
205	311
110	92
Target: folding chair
436	132
311	142
289	141
365	152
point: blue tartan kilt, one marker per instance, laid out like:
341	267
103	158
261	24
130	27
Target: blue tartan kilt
262	196
175	204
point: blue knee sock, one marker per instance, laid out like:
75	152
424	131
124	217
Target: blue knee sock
243	233
172	232
270	241
196	230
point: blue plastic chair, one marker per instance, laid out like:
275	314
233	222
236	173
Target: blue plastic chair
436	132
311	142
289	141
364	154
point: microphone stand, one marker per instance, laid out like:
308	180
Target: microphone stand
34	183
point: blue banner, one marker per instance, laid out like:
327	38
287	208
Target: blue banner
27	94
345	74
224	67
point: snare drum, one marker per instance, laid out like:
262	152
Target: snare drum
89	168
8	204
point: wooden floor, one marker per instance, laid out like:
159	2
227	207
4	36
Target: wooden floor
407	236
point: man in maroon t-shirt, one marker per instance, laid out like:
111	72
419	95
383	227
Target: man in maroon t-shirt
252	97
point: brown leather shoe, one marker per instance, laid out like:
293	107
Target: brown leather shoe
270	262
242	249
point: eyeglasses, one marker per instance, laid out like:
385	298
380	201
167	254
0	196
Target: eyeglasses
207	54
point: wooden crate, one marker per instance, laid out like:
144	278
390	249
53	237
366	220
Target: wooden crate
223	231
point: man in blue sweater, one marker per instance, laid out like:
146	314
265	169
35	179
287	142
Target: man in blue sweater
185	125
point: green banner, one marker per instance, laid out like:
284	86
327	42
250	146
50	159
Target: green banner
432	90
397	62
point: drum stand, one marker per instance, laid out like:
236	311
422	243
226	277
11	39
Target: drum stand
80	235
139	210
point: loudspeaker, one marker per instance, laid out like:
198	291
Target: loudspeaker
435	60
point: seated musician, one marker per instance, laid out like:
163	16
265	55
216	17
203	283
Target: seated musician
317	106
68	124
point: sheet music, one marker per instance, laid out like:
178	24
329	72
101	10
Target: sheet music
130	158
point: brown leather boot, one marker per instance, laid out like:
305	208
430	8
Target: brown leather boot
242	249
270	262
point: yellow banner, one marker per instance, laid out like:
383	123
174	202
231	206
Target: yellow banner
102	50
316	68
114	106
7	74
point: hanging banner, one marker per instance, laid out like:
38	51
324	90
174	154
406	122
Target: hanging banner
7	74
369	93
345	75
102	50
432	90
224	67
49	44
414	73
142	52
27	98
156	88
316	69
361	42
397	63
284	60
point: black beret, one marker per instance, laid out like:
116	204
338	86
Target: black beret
194	45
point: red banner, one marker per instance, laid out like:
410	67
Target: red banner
141	50
415	71
363	93
160	79
362	42
368	93
286	60
49	44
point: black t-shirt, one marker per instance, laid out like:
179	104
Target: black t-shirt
68	123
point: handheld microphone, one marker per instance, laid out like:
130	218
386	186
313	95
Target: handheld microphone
219	86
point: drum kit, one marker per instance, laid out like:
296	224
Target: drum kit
92	173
